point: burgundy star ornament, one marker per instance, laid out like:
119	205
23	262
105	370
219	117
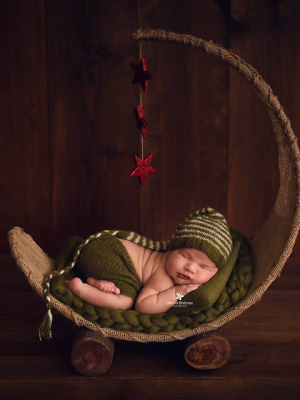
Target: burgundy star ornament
141	122
141	75
143	168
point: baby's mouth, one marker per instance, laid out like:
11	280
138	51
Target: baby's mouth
183	276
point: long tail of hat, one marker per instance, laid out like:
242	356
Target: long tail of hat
45	327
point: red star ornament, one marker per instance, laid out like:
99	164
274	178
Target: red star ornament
143	168
141	75
141	122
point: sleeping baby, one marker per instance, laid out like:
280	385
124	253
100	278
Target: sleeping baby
123	270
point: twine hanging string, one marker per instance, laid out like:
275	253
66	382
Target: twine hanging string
140	88
141	103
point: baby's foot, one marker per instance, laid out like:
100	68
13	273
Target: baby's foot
105	286
74	285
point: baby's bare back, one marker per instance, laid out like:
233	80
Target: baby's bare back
147	262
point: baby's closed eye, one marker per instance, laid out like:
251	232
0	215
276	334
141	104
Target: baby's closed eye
185	256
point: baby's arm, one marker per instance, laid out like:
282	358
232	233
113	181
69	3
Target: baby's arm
151	301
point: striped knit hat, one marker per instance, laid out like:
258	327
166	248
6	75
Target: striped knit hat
207	231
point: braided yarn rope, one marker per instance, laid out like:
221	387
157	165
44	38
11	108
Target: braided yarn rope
272	243
235	290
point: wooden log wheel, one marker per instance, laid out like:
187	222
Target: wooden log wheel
92	353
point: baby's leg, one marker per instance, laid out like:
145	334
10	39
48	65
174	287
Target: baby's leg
105	286
97	297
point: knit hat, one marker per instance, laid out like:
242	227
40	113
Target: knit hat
207	231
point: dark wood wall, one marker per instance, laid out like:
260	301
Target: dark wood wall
68	133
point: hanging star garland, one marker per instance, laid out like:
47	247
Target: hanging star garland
144	168
141	122
141	75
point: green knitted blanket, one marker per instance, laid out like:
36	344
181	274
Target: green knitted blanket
184	316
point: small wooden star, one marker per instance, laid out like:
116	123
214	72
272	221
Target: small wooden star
141	75
141	122
143	168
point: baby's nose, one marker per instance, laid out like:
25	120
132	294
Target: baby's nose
190	268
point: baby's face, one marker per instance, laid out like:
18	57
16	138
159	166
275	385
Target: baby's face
190	266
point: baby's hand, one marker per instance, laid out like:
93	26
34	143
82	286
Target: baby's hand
185	289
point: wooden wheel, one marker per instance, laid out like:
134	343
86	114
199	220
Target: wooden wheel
92	353
209	350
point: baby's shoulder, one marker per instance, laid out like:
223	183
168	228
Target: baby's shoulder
159	280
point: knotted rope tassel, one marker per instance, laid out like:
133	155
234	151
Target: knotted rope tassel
45	327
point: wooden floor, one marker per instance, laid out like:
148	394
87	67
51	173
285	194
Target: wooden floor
264	364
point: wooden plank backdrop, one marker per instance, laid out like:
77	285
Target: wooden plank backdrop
68	140
68	132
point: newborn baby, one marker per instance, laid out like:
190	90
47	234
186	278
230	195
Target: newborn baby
199	247
162	274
